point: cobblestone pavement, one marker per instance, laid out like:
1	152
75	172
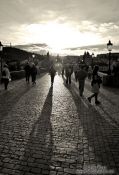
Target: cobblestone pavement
52	131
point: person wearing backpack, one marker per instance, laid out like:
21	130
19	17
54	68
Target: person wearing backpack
5	76
81	76
95	83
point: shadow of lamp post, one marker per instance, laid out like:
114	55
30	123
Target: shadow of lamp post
1	49
109	47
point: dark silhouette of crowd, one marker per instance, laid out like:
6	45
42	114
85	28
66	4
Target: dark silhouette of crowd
80	72
30	71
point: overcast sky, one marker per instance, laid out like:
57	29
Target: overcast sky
59	23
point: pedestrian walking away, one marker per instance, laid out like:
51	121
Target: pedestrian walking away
90	71
95	83
27	69
5	76
62	71
68	73
76	69
52	73
81	76
33	73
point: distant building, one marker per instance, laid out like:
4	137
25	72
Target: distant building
71	59
105	57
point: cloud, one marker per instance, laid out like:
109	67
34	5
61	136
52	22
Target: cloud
99	17
36	48
26	11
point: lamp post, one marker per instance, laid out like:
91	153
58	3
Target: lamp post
93	59
1	49
109	47
33	56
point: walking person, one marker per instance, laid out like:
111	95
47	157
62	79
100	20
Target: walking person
90	71
5	76
33	73
95	83
81	76
68	73
27	69
62	71
75	69
52	73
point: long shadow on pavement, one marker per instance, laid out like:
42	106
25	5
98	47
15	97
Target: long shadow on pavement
9	98
103	137
38	151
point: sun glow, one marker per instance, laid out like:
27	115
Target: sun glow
59	36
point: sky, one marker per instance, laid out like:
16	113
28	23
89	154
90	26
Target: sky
60	25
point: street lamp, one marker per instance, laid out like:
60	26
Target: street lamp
1	49
33	56
109	47
93	59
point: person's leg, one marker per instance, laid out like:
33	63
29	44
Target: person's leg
66	79
69	79
76	76
35	79
89	98
96	99
28	77
81	87
32	77
6	83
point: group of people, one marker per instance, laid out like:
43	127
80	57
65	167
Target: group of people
30	71
80	75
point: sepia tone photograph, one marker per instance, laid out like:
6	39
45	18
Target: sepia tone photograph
59	87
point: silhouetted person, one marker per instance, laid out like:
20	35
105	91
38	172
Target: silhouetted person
52	73
76	68
62	71
68	73
90	71
33	73
5	76
27	69
81	76
95	83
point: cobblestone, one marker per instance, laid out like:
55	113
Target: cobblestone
53	131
